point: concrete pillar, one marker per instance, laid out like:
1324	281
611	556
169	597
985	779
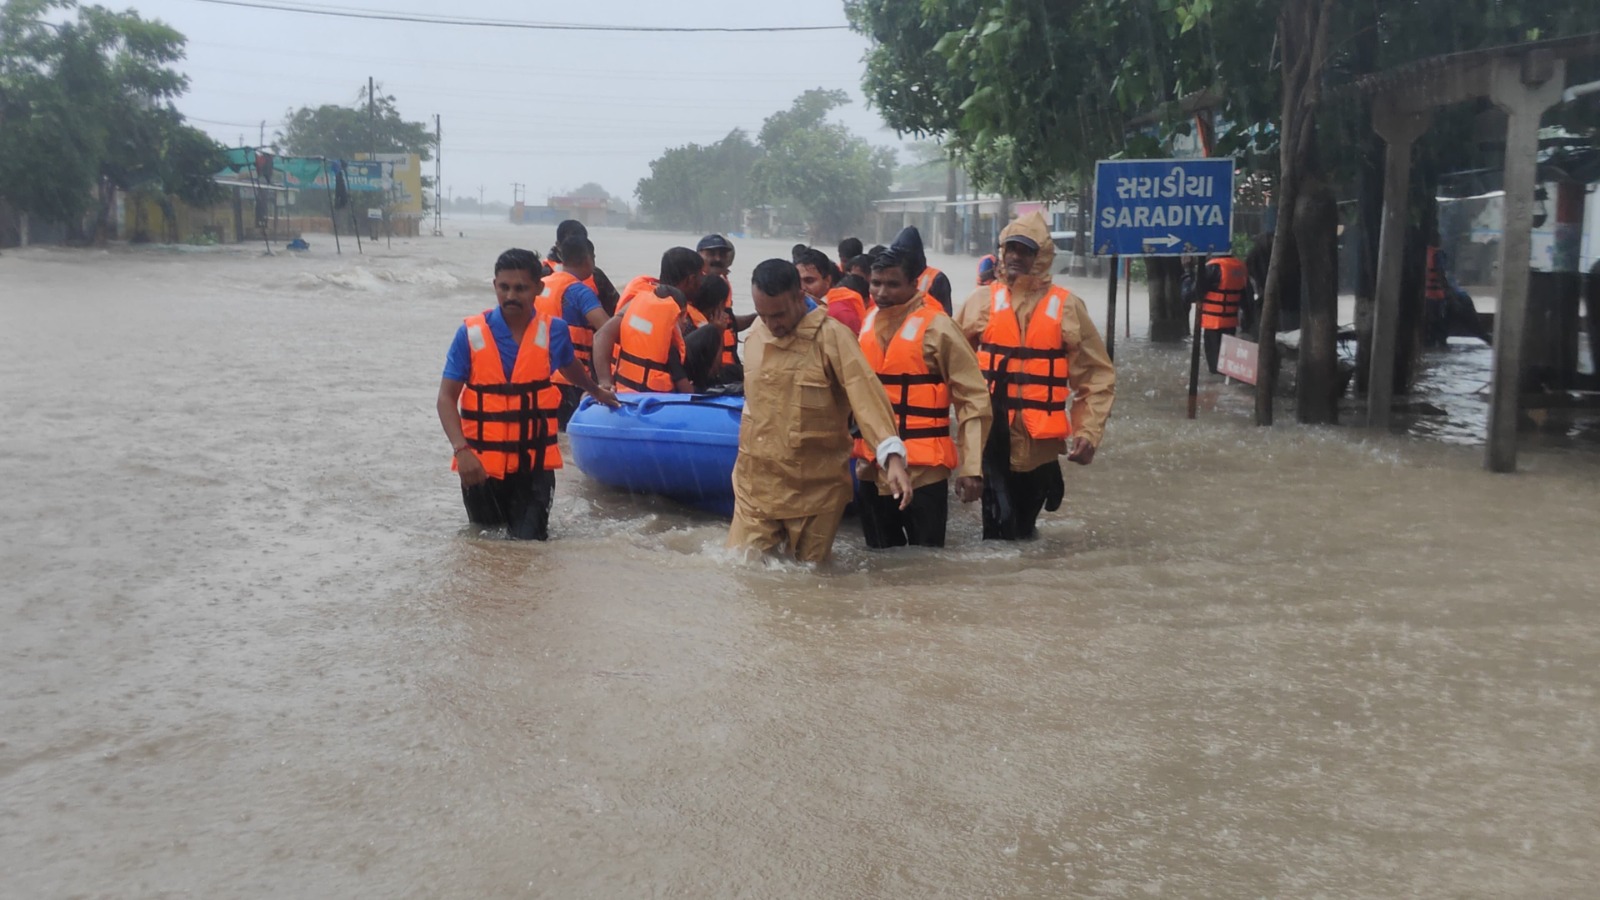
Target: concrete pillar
1399	131
1523	88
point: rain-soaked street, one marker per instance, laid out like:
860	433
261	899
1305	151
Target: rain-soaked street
251	649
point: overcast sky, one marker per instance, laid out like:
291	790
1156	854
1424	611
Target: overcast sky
551	110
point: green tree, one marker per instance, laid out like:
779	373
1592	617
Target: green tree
1032	91
86	106
342	132
819	165
701	188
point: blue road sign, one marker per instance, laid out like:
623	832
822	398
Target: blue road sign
1163	207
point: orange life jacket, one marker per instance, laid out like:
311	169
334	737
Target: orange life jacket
644	344
921	399
1034	370
637	286
925	280
1220	308
507	422
550	302
1436	286
850	297
730	340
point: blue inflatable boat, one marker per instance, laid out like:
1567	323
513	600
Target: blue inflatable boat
680	446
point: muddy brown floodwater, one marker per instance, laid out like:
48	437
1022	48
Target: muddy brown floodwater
250	649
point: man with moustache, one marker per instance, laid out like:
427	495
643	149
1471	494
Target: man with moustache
498	404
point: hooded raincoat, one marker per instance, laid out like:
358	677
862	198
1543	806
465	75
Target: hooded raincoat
1093	377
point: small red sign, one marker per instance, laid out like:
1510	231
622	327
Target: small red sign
1237	359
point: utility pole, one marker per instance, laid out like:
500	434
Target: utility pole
438	162
372	128
263	133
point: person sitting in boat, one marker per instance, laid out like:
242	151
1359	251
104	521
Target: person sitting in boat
497	402
596	280
717	252
681	268
928	368
804	377
850	248
568	297
703	360
641	349
817	278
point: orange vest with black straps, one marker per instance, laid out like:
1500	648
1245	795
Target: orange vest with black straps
1033	369
921	399
730	340
644	344
1220	308
550	303
510	424
1435	286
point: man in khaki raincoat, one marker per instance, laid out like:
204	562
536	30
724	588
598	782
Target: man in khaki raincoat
1022	474
804	376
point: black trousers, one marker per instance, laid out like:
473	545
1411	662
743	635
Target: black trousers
1011	507
922	524
520	502
1213	344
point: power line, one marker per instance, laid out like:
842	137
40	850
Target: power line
234	124
490	23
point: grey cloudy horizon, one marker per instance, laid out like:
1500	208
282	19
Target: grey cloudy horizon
547	109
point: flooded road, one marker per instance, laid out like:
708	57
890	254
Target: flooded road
250	649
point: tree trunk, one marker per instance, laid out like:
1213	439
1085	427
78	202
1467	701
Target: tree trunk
1370	212
1168	320
1316	223
1303	27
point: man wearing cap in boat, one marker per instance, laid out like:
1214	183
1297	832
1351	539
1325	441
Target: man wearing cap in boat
498	405
717	252
928	369
1051	382
804	377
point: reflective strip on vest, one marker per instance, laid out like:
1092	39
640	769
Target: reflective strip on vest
644	344
510	424
1028	377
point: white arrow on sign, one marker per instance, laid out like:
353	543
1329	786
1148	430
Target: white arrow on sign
1167	241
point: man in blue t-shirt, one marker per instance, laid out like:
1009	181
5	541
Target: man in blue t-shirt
518	492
